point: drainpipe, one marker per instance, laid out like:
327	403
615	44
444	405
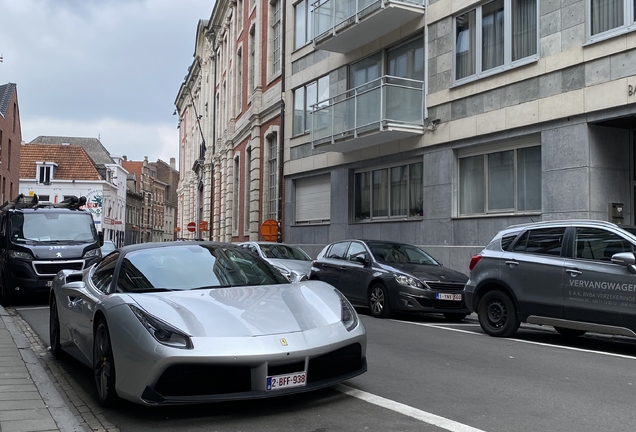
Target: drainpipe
281	151
211	227
425	89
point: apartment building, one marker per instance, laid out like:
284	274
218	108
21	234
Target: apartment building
527	113
229	108
10	142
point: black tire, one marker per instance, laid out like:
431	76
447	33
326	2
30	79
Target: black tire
497	314
5	296
104	365
54	330
455	317
379	301
567	332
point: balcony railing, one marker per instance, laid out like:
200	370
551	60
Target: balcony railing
362	20
386	109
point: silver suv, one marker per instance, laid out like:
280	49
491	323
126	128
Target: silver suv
574	275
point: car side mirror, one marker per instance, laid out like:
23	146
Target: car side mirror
363	259
626	259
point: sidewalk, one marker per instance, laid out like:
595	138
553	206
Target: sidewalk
29	401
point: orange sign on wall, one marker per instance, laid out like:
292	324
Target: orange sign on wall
269	230
203	225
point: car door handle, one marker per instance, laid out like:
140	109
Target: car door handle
512	263
573	272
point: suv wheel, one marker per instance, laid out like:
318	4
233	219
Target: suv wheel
497	314
569	332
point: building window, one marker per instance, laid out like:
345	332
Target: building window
610	17
495	36
305	98
239	80
8	155
248	183
15	116
1	147
302	19
390	192
276	36
272	163
235	197
505	181
45	173
239	13
252	60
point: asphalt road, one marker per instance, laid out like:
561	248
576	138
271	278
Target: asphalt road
426	375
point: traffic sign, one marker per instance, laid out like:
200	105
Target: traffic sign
269	230
192	227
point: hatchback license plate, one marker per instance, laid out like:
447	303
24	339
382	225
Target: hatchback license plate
48	283
279	382
452	297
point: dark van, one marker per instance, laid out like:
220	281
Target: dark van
38	239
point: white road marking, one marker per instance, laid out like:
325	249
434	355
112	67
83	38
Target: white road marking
31	308
523	341
406	410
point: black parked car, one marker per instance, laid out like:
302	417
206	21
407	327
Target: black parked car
386	276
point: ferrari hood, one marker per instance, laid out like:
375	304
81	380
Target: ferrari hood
246	311
425	272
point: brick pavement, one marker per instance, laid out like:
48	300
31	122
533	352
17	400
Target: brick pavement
36	393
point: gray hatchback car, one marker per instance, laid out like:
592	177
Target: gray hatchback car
575	275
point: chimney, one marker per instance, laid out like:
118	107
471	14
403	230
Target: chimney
173	162
146	159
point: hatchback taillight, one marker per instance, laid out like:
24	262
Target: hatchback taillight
473	262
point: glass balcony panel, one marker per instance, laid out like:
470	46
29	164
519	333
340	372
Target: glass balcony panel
372	19
382	105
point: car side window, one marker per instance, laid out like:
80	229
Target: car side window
355	249
507	240
544	241
103	274
599	244
338	250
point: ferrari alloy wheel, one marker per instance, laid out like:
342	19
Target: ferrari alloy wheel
379	301
497	314
104	365
54	330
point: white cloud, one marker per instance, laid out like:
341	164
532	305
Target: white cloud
101	67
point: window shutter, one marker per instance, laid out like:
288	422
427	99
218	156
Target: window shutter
313	199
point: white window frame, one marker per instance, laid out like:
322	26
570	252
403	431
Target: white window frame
236	194
272	167
306	123
239	80
508	63
49	168
309	7
629	22
498	147
276	22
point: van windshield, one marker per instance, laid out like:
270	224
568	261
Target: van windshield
52	226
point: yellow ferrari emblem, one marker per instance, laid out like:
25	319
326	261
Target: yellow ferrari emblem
283	341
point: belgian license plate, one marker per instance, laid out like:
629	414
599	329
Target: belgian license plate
452	297
48	283
279	382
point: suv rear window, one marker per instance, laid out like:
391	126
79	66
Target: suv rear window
544	241
507	239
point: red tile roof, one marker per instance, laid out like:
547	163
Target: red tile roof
73	163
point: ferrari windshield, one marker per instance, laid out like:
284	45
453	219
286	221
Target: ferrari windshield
192	266
52	226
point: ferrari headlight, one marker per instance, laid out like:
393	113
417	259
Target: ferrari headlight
93	253
409	281
20	255
349	317
163	332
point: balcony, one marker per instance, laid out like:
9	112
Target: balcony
344	25
386	109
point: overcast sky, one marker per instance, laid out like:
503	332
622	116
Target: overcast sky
107	69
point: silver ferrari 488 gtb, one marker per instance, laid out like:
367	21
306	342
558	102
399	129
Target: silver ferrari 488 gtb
193	322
